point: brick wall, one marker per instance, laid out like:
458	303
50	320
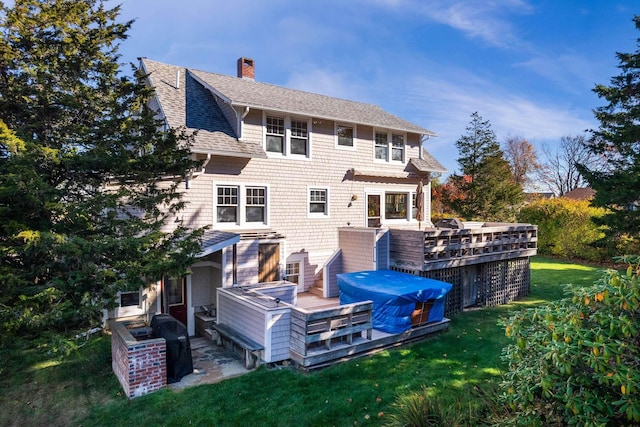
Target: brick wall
140	366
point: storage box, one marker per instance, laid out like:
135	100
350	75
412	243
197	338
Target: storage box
420	315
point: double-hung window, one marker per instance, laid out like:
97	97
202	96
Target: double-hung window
318	202
287	136
389	147
299	137
382	146
275	135
293	272
256	204
241	205
397	148
227	204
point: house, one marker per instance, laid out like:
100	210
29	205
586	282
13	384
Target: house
296	189
283	170
581	193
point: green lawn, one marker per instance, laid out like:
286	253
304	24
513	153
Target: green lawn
41	390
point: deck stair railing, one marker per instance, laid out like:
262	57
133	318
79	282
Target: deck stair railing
323	328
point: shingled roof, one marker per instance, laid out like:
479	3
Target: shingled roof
186	103
191	104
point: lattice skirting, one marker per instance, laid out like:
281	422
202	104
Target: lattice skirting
489	284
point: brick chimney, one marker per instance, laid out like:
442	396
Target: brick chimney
246	69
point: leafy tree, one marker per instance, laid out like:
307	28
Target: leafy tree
575	361
523	159
618	140
486	189
88	182
565	228
560	171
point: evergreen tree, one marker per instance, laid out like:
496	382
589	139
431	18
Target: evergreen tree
487	189
618	141
88	182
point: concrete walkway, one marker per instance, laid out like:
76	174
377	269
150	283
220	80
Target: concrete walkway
211	364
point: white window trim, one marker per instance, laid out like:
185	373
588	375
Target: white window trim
287	136
355	136
300	259
390	134
383	219
328	205
242	204
132	310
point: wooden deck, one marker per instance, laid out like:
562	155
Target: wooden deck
320	357
323	332
438	248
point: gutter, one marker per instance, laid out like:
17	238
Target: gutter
194	175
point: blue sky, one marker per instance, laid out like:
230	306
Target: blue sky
528	67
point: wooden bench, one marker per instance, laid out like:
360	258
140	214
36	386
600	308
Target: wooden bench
252	350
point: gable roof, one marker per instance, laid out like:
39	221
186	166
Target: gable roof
249	93
583	193
186	99
186	103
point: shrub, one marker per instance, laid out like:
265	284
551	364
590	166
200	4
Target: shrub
575	361
422	409
565	228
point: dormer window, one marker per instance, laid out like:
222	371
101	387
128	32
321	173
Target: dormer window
287	136
389	147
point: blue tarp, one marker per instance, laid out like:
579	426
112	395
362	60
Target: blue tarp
394	296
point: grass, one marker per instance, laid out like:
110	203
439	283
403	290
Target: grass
81	390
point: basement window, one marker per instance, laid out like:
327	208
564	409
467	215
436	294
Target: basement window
130	299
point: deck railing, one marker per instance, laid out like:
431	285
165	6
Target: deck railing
323	327
436	248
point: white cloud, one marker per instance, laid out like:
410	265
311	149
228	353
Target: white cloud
488	21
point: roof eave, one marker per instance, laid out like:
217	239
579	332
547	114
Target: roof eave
223	153
418	130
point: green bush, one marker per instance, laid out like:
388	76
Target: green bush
576	361
565	228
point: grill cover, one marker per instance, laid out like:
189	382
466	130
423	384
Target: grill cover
179	362
394	296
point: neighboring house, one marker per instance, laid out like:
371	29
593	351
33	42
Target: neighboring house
535	196
282	171
583	193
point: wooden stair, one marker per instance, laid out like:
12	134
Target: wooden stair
317	287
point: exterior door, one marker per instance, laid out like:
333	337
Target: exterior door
268	261
176	297
373	210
